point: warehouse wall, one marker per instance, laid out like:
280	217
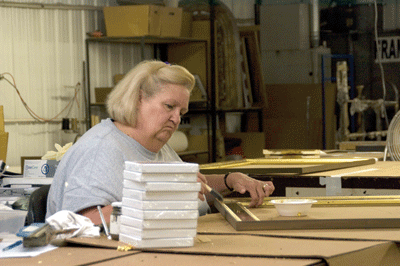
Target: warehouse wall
44	51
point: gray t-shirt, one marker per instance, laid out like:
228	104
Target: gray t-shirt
91	171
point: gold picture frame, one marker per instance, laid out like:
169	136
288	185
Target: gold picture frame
338	212
283	165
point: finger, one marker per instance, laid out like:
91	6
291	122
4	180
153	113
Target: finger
272	187
255	193
268	188
202	191
201	177
261	195
201	196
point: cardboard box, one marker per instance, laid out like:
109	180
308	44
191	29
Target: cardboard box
193	55
101	94
171	22
40	168
186	25
293	118
117	78
3	145
142	20
133	20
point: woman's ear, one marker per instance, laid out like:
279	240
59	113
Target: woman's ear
140	97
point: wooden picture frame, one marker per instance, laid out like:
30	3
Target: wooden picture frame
341	212
282	165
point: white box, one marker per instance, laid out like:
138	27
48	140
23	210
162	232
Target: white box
165	195
158	224
156	233
164	214
162	186
160	204
160	177
157	243
161	167
40	168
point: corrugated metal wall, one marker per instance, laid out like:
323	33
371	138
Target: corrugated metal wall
44	50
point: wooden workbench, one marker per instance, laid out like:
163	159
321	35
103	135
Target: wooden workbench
217	243
381	178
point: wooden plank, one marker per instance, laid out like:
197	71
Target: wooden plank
293	166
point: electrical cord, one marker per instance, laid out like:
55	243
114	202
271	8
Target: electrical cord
29	110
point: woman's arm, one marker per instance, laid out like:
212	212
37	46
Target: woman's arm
242	183
93	214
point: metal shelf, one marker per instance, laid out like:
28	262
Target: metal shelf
143	39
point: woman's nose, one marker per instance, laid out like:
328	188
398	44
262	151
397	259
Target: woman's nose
176	117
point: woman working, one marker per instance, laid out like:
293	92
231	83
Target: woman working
145	107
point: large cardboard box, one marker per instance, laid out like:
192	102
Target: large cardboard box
171	22
142	20
193	55
134	20
186	25
294	116
101	94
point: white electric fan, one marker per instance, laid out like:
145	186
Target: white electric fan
393	139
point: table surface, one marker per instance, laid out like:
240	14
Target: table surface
217	243
378	169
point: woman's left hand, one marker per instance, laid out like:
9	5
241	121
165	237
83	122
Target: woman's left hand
257	189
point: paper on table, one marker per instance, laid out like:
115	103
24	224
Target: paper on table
22	252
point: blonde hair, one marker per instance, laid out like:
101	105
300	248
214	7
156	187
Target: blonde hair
146	79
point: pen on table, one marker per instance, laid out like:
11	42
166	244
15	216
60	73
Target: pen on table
104	222
13	245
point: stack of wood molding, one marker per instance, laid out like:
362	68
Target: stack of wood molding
251	66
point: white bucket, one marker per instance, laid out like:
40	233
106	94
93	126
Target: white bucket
233	122
178	141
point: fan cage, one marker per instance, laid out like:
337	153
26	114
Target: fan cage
393	138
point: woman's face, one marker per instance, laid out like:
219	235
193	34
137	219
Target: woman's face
160	115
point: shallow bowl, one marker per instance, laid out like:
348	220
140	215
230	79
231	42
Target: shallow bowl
293	207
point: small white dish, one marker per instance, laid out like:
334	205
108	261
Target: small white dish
293	207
